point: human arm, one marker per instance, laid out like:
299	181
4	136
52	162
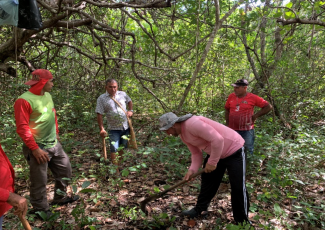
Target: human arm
56	126
22	115
209	168
267	108
40	155
196	159
19	203
102	131
227	116
227	110
188	174
130	106
100	110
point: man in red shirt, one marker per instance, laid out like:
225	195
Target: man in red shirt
240	114
8	198
37	126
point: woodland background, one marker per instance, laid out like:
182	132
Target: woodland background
181	56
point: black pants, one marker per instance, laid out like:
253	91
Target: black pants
236	167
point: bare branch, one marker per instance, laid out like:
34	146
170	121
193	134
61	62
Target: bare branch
300	21
149	35
68	45
154	4
73	24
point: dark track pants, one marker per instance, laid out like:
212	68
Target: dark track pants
60	167
236	167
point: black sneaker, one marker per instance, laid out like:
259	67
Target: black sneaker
191	213
65	200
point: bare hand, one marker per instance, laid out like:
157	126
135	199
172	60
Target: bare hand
188	174
57	137
103	133
41	156
254	119
19	203
209	168
129	113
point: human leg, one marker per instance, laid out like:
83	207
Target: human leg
1	219
123	143
38	180
114	139
209	186
61	168
249	137
118	142
236	166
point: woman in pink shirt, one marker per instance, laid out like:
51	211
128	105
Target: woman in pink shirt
224	148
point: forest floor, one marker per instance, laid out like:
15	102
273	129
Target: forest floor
112	202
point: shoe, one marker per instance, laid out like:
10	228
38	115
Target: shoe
65	200
42	214
191	213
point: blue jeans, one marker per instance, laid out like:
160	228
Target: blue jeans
116	139
249	137
1	219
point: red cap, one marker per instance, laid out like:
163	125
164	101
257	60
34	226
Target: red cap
38	75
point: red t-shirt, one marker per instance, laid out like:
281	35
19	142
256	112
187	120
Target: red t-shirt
241	110
7	177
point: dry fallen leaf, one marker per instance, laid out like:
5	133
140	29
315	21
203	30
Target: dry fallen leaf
191	223
98	203
113	203
186	189
93	209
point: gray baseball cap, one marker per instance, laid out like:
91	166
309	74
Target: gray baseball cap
169	119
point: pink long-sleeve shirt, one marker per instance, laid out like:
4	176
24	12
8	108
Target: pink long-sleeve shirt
202	134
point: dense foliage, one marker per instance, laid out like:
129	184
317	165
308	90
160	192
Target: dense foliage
160	52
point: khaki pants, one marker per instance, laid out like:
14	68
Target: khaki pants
60	167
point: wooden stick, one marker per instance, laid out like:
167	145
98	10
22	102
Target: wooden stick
24	222
155	196
104	146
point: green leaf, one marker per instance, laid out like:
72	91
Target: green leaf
60	192
257	217
288	15
74	188
86	184
277	208
300	182
42	214
133	169
65	178
156	189
54	216
125	172
166	186
278	14
87	190
289	5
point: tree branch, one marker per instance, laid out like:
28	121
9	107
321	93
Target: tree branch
154	4
300	21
